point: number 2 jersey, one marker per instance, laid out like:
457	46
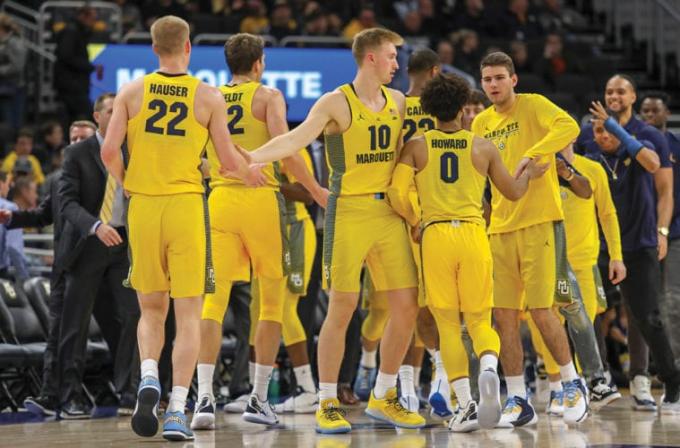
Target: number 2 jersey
362	158
246	131
450	187
164	139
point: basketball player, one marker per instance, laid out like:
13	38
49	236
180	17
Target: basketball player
450	166
527	236
168	117
248	227
361	122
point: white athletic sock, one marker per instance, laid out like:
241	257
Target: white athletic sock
568	372
251	372
555	386
261	383
406	380
516	386
461	387
383	383
488	362
327	391
150	368
368	359
416	377
303	375
205	380
438	363
178	399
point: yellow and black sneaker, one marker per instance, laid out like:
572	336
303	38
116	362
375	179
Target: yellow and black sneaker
389	410
330	419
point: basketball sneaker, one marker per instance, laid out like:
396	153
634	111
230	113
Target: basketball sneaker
237	406
556	403
670	401
575	401
302	402
641	394
517	412
440	398
144	419
410	402
204	413
465	419
364	382
259	412
489	409
43	405
330	419
175	427
389	410
601	393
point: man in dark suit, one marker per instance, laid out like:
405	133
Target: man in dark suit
94	248
45	214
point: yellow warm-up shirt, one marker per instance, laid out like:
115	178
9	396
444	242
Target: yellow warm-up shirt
580	221
536	128
165	140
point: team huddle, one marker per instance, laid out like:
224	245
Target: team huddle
454	220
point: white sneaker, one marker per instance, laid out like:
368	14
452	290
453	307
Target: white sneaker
204	413
575	401
556	404
641	394
237	406
302	402
489	412
410	402
465	419
517	412
440	398
259	412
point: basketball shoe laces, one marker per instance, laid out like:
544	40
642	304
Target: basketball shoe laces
394	403
333	414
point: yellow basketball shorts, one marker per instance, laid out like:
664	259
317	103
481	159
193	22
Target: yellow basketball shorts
302	243
365	228
247	229
170	245
530	267
592	291
457	267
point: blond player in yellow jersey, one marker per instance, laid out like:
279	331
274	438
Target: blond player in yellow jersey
527	236
362	124
168	117
248	228
450	166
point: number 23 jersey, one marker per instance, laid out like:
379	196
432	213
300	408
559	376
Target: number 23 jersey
164	139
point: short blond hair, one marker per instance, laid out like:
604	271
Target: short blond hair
169	34
370	39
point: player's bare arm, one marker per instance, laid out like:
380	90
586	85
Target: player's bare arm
577	183
489	163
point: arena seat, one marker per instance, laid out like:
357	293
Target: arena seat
578	85
530	83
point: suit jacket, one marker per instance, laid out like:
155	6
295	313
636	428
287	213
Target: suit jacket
81	193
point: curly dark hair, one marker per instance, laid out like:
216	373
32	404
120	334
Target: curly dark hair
444	96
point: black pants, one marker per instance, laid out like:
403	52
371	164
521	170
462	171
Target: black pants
307	305
239	303
641	292
50	384
98	267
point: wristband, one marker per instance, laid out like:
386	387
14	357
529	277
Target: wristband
571	176
629	143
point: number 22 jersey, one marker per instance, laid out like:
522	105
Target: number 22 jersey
164	139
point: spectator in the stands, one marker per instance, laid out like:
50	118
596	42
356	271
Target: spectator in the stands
554	16
49	145
281	22
72	68
22	155
12	64
154	9
468	52
255	20
412	26
25	193
315	23
519	22
520	56
447	53
474	16
132	16
555	61
365	19
11	241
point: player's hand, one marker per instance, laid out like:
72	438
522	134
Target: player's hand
662	246
562	168
5	216
617	271
598	111
521	166
108	235
321	197
416	234
255	176
535	170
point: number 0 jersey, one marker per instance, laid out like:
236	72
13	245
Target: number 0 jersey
450	187
362	158
164	139
246	131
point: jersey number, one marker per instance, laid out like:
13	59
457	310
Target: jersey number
411	127
380	137
448	164
179	109
235	113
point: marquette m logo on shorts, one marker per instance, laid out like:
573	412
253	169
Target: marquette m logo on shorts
211	276
563	287
296	279
326	271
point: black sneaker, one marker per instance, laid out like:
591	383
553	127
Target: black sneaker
76	408
204	414
670	402
601	393
43	405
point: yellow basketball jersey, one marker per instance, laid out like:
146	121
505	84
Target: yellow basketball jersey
296	210
416	122
246	131
450	187
165	140
362	158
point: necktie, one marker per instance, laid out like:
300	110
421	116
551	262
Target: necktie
106	211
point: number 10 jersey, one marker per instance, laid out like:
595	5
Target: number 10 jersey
164	139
